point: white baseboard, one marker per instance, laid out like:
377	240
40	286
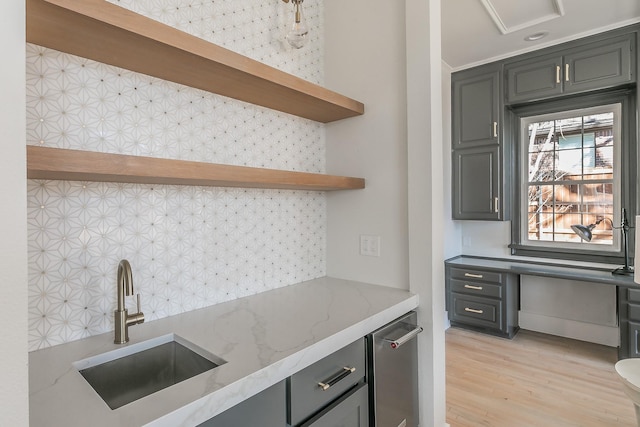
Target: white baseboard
598	334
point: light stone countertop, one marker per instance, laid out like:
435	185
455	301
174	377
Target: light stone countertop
264	338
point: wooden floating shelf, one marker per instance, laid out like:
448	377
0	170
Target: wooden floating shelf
104	32
76	165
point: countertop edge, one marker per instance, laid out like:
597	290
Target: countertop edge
270	375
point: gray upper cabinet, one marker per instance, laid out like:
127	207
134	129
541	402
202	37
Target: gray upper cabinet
477	151
582	68
534	79
476	108
476	183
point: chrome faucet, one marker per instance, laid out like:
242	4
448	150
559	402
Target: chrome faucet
122	318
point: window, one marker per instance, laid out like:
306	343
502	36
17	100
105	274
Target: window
571	172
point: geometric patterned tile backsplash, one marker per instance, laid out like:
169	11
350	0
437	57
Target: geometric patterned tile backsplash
189	247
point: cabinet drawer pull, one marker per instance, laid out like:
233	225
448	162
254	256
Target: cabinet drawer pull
496	207
566	72
336	378
557	74
473	310
475	276
477	288
495	129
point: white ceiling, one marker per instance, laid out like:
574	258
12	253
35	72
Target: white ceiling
471	35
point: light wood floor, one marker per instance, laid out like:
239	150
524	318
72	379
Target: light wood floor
533	380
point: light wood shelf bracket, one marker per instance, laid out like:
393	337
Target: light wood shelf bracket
75	165
104	32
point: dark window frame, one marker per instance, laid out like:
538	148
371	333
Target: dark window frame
628	172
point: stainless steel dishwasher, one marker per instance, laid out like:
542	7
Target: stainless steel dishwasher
393	373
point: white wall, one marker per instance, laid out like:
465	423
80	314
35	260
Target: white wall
486	238
388	56
365	59
426	199
14	403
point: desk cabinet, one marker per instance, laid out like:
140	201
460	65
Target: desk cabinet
483	300
629	319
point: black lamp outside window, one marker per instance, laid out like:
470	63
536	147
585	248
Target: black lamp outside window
585	233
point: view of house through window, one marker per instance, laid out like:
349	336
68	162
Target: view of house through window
572	176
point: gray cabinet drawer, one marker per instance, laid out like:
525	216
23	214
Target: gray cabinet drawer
350	411
475	311
634	336
306	395
476	275
634	295
634	312
476	288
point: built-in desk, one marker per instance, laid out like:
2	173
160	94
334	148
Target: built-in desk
494	277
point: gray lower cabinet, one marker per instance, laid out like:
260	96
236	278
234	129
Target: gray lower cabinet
265	409
629	322
332	392
350	411
582	68
476	183
483	300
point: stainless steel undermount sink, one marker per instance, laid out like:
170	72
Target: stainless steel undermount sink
124	375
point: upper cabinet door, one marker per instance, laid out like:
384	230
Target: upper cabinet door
475	106
599	66
533	79
587	67
476	184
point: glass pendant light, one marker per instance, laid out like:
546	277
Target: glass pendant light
298	34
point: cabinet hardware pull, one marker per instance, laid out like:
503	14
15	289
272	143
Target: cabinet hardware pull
473	310
557	74
566	72
495	129
394	344
496	208
477	288
475	276
336	378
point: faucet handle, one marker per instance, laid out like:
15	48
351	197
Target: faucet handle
135	318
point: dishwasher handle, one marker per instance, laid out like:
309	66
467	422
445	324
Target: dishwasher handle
403	339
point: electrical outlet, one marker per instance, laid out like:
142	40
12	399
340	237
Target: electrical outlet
369	245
